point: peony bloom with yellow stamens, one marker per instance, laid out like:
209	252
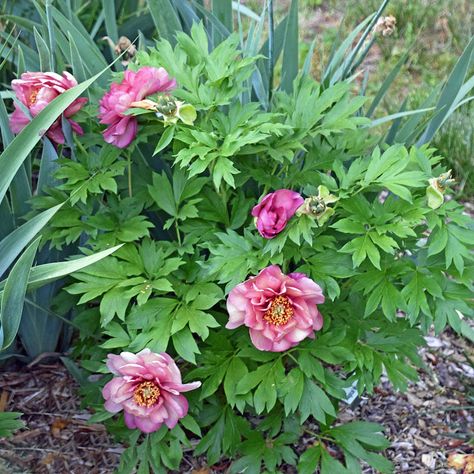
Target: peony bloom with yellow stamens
279	310
147	387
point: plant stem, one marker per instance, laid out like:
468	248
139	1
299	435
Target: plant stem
178	235
271	50
130	192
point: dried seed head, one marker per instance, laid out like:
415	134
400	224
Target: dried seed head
385	25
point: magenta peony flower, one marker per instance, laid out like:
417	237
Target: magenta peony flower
279	309
147	387
135	86
35	90
275	210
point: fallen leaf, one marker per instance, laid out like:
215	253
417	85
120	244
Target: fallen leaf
462	461
48	459
3	400
58	425
201	470
428	460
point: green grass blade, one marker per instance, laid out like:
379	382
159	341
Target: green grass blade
41	275
211	18
48	166
187	13
20	188
13	296
450	92
51	36
78	67
222	10
395	125
263	64
25	24
6	218
350	61
14	155
413	122
386	84
166	19
389	118
238	7
110	20
290	49
309	58
13	244
43	52
91	54
337	58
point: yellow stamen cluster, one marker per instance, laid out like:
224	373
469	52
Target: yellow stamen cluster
146	394
32	98
280	311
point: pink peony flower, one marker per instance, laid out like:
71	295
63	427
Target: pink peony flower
35	90
279	309
135	86
275	210
148	388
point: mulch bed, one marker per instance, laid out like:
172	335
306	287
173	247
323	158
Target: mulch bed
425	424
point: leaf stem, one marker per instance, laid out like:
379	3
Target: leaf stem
178	235
130	191
271	50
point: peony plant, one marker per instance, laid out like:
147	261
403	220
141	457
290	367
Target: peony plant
275	255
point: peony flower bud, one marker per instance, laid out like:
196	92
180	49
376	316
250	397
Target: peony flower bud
317	206
274	211
437	188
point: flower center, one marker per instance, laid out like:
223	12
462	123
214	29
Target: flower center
146	394
280	311
32	98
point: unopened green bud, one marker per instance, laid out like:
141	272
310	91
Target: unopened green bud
437	188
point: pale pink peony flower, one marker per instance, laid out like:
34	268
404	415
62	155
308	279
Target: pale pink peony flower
35	90
147	386
279	309
275	210
135	86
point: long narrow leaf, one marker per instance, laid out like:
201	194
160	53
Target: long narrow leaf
290	49
336	59
110	21
13	244
389	118
13	296
166	19
222	10
43	52
386	84
43	274
450	92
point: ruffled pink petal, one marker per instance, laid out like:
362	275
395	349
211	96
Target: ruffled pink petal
129	421
122	133
18	120
76	127
75	106
236	307
56	134
177	407
146	425
260	341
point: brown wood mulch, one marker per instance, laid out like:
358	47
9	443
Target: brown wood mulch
425	424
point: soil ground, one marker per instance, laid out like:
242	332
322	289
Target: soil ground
433	419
